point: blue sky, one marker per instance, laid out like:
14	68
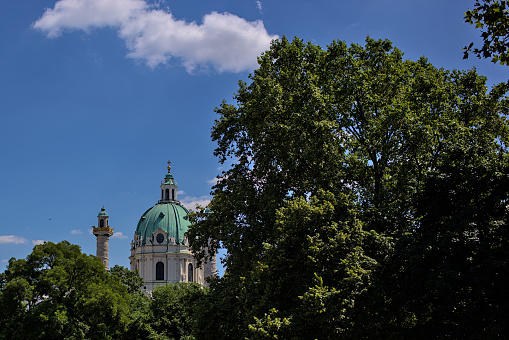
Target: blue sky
97	95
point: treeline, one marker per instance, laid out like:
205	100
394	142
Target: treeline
365	196
58	292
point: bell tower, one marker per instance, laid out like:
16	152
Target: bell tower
103	233
168	188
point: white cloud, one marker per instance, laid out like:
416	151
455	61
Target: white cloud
118	234
36	242
259	6
5	260
76	232
6	239
181	192
223	41
87	14
213	181
191	202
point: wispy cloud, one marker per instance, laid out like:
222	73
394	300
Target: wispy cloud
259	6
5	260
223	41
191	202
76	232
213	180
118	234
6	239
12	239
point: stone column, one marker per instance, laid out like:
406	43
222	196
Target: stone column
103	235
102	249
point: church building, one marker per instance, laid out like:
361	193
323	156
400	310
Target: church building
160	250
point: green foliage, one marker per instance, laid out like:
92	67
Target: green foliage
492	17
221	315
450	271
140	318
57	292
316	267
173	309
130	279
332	152
269	327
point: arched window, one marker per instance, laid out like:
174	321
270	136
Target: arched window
101	224
173	194
162	194
190	272
159	271
167	192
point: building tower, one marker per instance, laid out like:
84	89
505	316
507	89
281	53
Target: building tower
103	233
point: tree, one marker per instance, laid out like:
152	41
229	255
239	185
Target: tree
173	310
321	261
130	279
492	17
449	272
315	264
140	319
57	292
331	151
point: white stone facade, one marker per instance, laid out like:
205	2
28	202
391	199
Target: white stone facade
176	262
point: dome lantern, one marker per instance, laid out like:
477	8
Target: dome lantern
169	188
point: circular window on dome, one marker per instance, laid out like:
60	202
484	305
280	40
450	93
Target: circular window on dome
160	238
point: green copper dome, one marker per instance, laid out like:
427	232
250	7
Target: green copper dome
102	212
170	217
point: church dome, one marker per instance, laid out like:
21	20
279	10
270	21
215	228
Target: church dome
169	216
160	251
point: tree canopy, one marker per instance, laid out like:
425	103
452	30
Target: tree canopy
58	292
492	17
130	279
333	153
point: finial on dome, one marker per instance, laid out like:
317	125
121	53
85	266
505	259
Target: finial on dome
169	166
